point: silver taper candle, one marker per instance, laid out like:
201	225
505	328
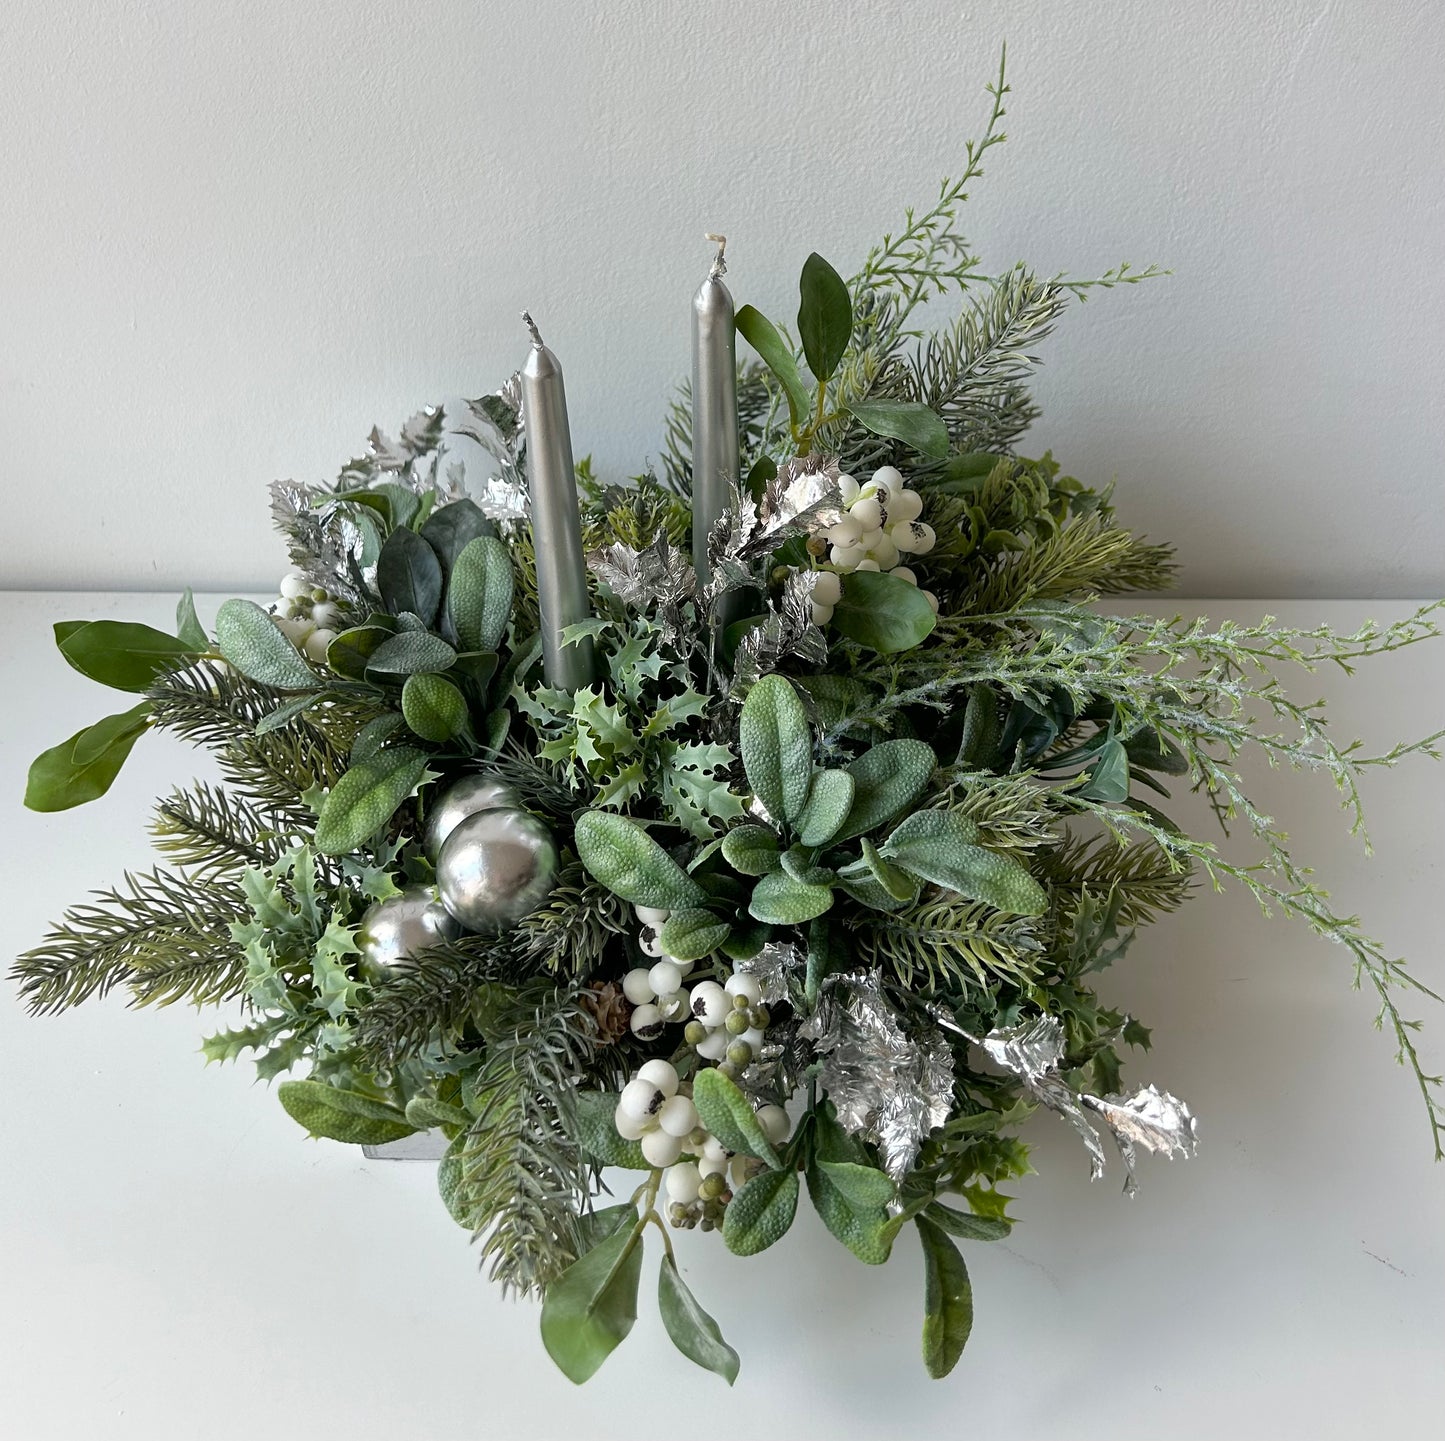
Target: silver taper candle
556	523
714	406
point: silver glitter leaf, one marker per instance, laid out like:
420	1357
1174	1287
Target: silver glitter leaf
494	422
884	1085
1031	1048
323	542
786	631
1151	1118
772	968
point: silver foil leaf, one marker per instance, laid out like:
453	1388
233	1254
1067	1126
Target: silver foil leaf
323	542
771	968
727	546
884	1085
1151	1118
657	577
786	631
494	422
802	498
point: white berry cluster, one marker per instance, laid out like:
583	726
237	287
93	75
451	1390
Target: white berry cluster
306	615
879	526
727	1022
655	991
655	1109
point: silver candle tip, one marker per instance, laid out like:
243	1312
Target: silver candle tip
719	263
532	327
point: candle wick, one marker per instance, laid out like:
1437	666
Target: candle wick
536	334
719	264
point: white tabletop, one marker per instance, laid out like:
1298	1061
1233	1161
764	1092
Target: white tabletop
177	1261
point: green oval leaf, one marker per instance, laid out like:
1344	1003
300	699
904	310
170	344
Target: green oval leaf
119	653
760	1212
413	652
250	640
479	595
693	1331
351	652
342	1115
409	576
366	798
751	850
825	316
433	707
453	527
917	426
729	1115
887	779
782	901
947	1300
763	336
188	625
862	1186
882	612
967	1225
591	1306
692	934
898	883
829	801
620	854
937	846
82	768
597	1133
1109	775
777	747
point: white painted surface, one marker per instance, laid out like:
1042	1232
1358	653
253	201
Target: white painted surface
178	1262
237	236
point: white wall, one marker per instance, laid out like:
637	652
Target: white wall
234	236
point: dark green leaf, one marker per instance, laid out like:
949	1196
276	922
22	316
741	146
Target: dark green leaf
249	639
452	528
409	576
882	612
729	1115
351	652
1109	776
621	855
760	1212
825	316
777	747
915	425
887	778
937	846
433	707
947	1300
693	1331
591	1307
825	956
342	1115
763	336
479	596
189	629
366	798
81	768
119	653
413	652
967	1225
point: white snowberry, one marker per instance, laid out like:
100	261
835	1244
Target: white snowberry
913	537
661	1074
677	1116
682	1180
889	476
848	489
932	599
845	556
821	614
326	613
884	552
665	977
775	1123
660	1149
846	531
295	585
753	1038
714	1046
710	1003
827	588
867	512
649	942
714	1151
317	642
630	1128
707	1166
645	1019
905	574
636	987
640	1099
904	505
650	915
741	984
867	563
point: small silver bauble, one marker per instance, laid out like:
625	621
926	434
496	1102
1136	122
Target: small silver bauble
461	799
396	929
495	867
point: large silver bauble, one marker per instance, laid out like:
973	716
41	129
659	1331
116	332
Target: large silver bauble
495	867
398	928
461	799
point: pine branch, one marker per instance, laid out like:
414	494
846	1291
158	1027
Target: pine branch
950	946
1148	882
208	829
165	935
568	936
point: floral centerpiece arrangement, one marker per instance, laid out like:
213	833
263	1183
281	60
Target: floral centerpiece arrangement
763	826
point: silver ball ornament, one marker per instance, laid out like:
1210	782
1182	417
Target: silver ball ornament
463	798
396	929
495	867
